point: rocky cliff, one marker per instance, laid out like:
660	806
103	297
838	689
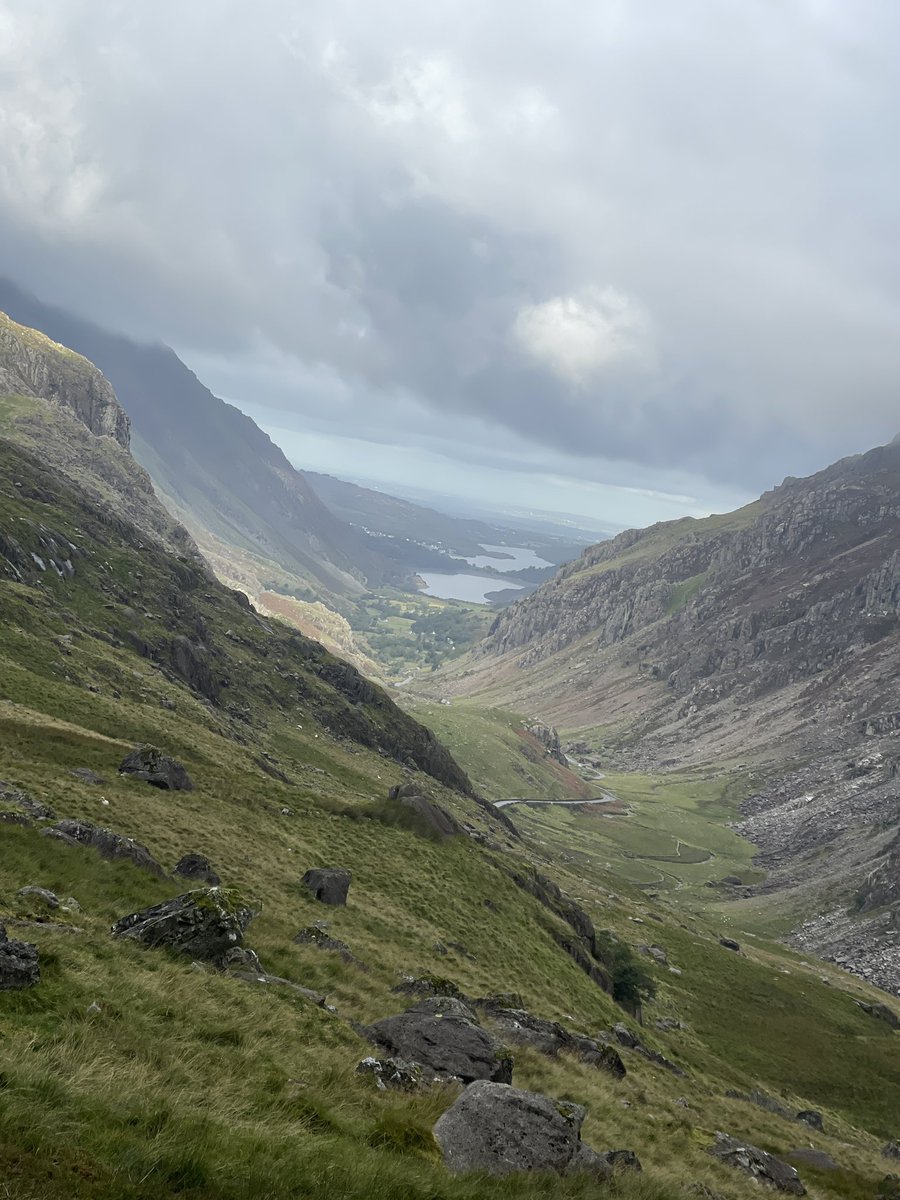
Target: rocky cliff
772	632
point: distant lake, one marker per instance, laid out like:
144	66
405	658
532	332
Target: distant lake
520	558
473	588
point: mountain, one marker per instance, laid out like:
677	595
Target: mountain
769	638
168	1035
215	469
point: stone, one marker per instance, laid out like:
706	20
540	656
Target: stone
813	1119
152	766
730	944
888	1188
276	981
548	1037
427	985
391	1073
443	1034
242	958
313	935
204	924
86	775
667	1024
434	820
38	896
502	1130
107	844
197	867
763	1167
807	1156
656	952
891	1150
19	966
328	885
623	1160
18	808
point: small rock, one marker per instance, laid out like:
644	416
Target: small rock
18	808
392	1073
667	1024
152	766
730	944
313	935
19	966
42	897
328	885
806	1156
891	1150
197	867
242	958
93	1009
86	775
813	1119
287	812
623	1160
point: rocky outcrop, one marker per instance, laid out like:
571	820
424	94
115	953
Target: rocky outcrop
153	767
203	924
19	966
328	885
107	844
502	1130
763	1167
434	820
549	739
18	808
443	1034
32	365
518	1026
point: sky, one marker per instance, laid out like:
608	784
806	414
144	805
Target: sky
636	260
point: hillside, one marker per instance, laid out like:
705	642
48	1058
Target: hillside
213	467
770	635
221	1062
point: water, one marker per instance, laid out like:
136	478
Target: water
521	557
457	586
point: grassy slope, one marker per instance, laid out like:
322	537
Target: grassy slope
190	1083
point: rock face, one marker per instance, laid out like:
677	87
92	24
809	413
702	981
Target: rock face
105	842
763	1167
329	885
19	967
502	1130
204	924
32	365
197	867
443	1034
152	766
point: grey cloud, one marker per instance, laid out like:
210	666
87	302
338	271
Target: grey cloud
378	191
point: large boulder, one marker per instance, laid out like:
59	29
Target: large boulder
764	1168
154	767
329	885
197	867
433	820
107	844
19	967
443	1034
204	924
501	1130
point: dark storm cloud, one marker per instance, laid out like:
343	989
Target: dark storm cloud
657	233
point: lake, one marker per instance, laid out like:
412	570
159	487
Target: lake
521	557
458	586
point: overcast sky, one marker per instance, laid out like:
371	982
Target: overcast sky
630	258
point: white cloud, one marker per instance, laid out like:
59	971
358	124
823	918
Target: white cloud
581	336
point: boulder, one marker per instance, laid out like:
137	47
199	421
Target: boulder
730	944
443	1034
548	1037
502	1130
813	1119
153	767
38	897
329	885
197	867
434	820
204	924
764	1168
107	844
891	1150
391	1073
19	966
